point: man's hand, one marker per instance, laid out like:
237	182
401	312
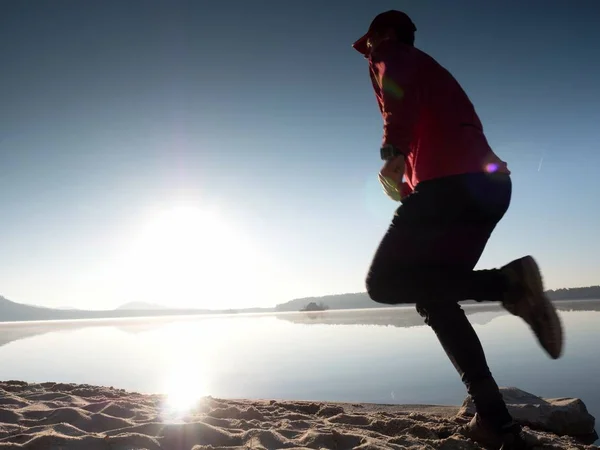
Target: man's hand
390	177
394	168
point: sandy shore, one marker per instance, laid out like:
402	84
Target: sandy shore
81	417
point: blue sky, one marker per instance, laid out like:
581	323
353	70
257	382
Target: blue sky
225	154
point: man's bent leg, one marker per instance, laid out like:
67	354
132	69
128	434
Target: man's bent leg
433	264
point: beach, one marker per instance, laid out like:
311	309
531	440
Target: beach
61	416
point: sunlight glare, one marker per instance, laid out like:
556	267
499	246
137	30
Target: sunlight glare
194	256
184	390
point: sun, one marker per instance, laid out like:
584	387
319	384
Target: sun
192	256
177	233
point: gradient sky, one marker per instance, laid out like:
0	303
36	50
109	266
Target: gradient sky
225	154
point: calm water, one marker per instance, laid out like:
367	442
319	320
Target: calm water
381	356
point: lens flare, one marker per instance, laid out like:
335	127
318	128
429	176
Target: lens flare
491	167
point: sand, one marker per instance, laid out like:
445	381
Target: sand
55	416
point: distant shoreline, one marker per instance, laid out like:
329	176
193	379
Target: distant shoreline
82	316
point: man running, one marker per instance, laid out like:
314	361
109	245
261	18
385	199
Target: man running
453	191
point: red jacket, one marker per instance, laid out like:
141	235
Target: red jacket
428	116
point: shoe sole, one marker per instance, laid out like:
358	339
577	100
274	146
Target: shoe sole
544	319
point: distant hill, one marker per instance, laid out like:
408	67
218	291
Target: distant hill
11	312
339	301
358	300
578	293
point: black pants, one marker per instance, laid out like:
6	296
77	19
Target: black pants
428	256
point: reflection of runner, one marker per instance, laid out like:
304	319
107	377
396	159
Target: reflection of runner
453	191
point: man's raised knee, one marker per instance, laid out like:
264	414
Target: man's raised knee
379	292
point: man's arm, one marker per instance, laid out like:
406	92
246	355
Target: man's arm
395	73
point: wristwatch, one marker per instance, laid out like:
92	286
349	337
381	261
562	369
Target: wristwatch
388	151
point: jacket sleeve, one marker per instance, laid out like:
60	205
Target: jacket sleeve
396	77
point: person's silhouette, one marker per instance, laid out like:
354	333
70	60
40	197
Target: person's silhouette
453	191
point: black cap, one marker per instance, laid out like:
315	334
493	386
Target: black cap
389	19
